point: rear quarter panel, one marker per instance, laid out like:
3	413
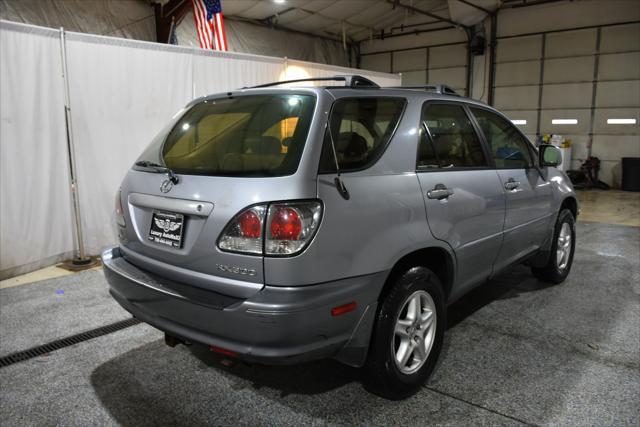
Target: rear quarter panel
383	219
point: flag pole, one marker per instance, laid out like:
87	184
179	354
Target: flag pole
171	29
81	259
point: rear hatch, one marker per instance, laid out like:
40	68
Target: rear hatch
226	154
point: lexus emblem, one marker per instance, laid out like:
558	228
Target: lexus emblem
166	186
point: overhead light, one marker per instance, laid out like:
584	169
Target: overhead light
621	121
519	121
564	121
293	101
279	1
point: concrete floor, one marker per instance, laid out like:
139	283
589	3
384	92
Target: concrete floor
610	207
517	352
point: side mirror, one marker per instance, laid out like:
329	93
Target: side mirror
549	155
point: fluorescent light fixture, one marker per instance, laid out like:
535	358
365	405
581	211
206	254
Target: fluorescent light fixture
564	121
519	121
621	121
278	1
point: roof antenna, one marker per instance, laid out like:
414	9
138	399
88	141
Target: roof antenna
342	189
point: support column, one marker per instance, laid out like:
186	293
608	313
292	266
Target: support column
596	66
541	83
492	54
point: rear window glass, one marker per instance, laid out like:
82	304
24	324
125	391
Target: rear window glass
254	136
451	141
361	129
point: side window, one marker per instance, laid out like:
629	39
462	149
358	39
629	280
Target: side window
361	128
451	141
426	153
508	147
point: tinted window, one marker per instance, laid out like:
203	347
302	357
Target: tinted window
361	129
426	152
451	141
508	147
257	135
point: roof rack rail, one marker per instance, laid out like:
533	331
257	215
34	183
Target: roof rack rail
352	81
438	88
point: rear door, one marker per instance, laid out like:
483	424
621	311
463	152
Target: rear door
228	154
463	196
528	195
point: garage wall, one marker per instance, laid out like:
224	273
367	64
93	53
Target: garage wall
131	19
586	75
435	57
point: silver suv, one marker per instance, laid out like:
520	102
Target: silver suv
283	224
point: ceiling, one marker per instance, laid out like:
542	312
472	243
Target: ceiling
358	19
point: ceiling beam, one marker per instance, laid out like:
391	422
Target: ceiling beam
272	19
427	13
512	4
408	33
271	25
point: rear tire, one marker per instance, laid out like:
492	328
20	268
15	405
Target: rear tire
408	335
562	248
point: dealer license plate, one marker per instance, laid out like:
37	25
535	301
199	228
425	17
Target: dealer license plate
166	229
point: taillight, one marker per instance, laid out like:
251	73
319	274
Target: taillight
250	224
119	210
291	226
285	224
244	232
281	228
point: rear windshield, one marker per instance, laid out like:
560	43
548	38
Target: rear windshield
253	136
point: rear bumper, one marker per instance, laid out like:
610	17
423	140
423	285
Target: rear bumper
278	325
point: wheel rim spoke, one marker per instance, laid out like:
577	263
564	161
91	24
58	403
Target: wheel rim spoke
426	320
404	352
420	351
413	310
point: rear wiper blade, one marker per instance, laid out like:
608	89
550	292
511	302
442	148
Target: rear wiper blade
160	168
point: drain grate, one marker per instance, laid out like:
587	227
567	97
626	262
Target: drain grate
21	356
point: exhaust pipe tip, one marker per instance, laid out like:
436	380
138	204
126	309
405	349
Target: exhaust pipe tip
172	341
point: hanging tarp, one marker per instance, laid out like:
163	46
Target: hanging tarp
35	202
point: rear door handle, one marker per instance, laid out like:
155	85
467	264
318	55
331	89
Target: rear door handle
439	192
512	184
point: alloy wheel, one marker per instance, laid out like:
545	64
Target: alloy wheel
414	332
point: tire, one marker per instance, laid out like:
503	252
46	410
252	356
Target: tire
384	374
558	267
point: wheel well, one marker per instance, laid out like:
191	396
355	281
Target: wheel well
571	204
435	259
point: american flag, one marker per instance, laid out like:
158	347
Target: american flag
209	24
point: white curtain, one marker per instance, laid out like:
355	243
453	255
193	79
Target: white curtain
122	92
35	206
215	72
302	69
121	95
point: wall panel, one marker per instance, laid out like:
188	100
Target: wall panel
409	60
571	62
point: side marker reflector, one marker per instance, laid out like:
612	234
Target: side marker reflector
223	351
343	309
